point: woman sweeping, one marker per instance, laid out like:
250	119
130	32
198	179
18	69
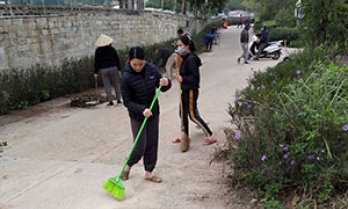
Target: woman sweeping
189	78
139	83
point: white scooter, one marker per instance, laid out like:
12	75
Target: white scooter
272	50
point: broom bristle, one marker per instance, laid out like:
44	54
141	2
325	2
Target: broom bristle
115	188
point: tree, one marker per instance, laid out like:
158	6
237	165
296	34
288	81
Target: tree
252	5
234	4
268	9
326	22
185	4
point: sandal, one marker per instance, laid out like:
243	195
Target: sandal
155	179
125	175
209	141
176	140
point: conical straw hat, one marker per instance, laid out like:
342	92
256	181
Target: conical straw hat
103	40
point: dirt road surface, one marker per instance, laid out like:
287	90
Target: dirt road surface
58	157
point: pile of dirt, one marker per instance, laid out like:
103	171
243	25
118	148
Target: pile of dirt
85	100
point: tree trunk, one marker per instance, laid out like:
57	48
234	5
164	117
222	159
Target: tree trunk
140	5
183	7
195	9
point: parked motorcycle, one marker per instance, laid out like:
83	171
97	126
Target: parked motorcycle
272	50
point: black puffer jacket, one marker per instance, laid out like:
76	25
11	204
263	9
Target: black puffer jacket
139	89
189	71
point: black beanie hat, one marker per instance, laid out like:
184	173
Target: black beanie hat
136	52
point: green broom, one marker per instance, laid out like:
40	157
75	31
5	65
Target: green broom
114	185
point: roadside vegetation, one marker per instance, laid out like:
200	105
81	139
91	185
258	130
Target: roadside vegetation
289	126
21	88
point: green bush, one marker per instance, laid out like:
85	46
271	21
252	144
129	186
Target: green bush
284	33
285	18
25	87
292	130
3	102
325	22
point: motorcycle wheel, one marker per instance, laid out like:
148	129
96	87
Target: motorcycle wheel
276	55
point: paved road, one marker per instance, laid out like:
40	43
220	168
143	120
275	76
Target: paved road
59	157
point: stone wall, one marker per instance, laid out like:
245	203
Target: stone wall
46	36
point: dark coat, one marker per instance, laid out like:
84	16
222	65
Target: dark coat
106	57
162	56
189	71
244	36
264	37
139	89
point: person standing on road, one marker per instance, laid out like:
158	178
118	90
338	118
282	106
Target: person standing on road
263	41
164	59
178	58
189	78
214	31
240	21
107	62
244	41
139	83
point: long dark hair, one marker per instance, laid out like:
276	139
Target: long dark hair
188	42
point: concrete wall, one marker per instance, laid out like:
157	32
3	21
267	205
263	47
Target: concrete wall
46	36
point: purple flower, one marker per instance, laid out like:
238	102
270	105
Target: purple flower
285	156
248	106
338	57
263	158
274	82
263	87
237	136
252	69
298	72
236	98
305	27
270	74
285	148
293	162
300	80
281	145
345	128
314	76
258	88
254	79
310	157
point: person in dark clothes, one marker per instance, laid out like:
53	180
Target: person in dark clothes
107	62
181	32
244	41
240	21
189	78
263	41
208	41
139	83
165	60
214	31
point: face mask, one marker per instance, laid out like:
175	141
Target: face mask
181	50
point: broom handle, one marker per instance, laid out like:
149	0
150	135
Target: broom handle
139	132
